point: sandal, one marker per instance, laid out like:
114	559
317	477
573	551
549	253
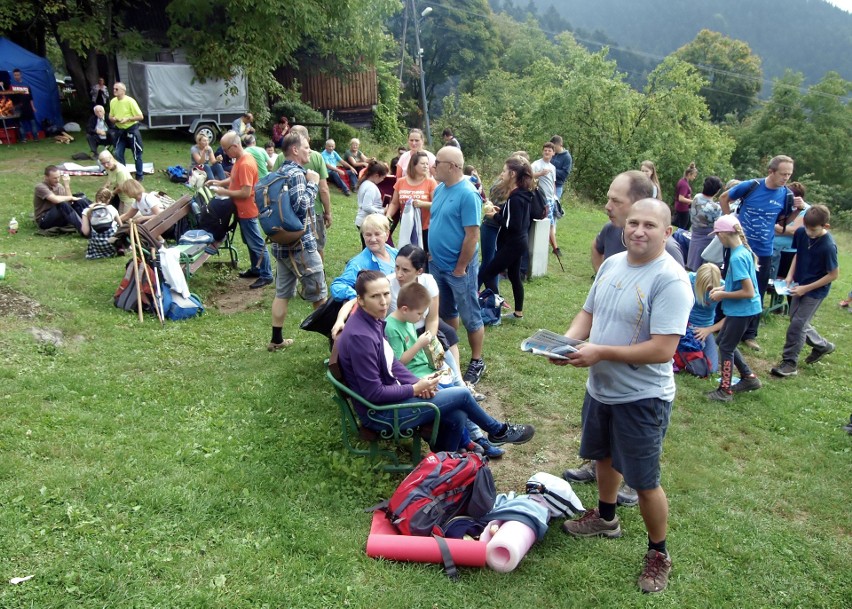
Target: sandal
276	346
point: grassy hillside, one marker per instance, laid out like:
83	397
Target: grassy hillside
186	466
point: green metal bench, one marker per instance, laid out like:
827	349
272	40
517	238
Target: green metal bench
397	431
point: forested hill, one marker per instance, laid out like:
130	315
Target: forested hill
808	36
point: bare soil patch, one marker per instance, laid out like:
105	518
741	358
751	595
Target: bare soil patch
15	304
235	297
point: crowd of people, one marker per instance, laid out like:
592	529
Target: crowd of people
651	289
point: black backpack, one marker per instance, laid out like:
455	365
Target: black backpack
538	206
212	214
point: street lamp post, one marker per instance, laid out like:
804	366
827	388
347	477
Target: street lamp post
425	104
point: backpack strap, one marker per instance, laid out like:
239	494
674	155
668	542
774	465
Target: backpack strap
449	564
754	184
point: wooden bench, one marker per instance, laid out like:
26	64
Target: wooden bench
192	257
396	431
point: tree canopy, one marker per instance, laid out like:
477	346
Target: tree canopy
732	71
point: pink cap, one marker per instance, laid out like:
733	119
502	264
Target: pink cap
726	224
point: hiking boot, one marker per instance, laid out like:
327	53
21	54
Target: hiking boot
591	524
474	372
785	369
260	283
749	383
250	273
817	353
627	496
655	574
585	473
720	395
491	451
515	434
751	344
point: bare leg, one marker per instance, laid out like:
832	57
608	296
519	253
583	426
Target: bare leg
608	480
654	507
476	339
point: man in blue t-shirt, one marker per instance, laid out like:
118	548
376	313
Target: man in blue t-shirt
758	213
454	247
337	168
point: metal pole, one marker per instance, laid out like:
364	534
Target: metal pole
422	76
402	46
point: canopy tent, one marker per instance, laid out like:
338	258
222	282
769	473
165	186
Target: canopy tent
38	76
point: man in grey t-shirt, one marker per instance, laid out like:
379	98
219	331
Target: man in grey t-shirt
544	171
625	190
633	318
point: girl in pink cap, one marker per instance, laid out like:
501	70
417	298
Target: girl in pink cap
740	301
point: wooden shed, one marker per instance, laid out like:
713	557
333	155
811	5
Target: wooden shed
351	99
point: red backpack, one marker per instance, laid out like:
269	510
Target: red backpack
442	486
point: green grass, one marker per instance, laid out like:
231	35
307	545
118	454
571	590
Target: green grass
186	466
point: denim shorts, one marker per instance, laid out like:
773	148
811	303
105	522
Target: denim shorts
299	265
459	296
632	434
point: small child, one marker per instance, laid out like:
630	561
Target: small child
740	301
702	318
145	203
96	225
411	303
813	269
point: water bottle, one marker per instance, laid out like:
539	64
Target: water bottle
13	226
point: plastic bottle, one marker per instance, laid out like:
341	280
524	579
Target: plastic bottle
13	226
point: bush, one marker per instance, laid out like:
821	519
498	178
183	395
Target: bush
341	133
295	109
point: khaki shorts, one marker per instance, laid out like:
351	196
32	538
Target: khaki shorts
300	266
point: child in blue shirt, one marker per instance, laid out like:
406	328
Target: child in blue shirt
740	302
702	318
813	269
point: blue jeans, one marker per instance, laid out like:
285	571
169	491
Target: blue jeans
214	172
31	127
559	190
457	405
459	296
488	241
130	137
250	231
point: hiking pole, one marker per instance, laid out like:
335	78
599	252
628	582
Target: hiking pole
559	260
148	275
158	296
136	273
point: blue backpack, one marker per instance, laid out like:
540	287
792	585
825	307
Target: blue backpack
177	174
277	218
177	308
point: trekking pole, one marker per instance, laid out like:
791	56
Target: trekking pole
157	309
159	290
136	273
559	260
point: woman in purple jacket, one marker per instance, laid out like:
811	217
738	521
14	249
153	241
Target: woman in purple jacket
371	370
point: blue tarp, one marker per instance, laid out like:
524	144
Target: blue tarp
38	76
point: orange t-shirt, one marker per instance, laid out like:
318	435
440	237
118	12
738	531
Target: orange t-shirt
421	192
244	172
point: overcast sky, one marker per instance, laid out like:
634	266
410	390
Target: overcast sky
846	5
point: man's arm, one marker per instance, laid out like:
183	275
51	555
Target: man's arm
325	198
659	349
597	257
468	249
725	202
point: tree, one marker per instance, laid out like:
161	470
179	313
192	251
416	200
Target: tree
459	44
813	126
733	72
82	30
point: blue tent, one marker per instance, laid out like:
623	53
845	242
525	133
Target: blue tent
38	76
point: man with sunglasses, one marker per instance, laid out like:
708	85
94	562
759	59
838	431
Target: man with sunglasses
239	187
454	248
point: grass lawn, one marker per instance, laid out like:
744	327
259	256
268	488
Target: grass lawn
186	466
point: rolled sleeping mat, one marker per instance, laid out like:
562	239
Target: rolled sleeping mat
385	541
508	545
